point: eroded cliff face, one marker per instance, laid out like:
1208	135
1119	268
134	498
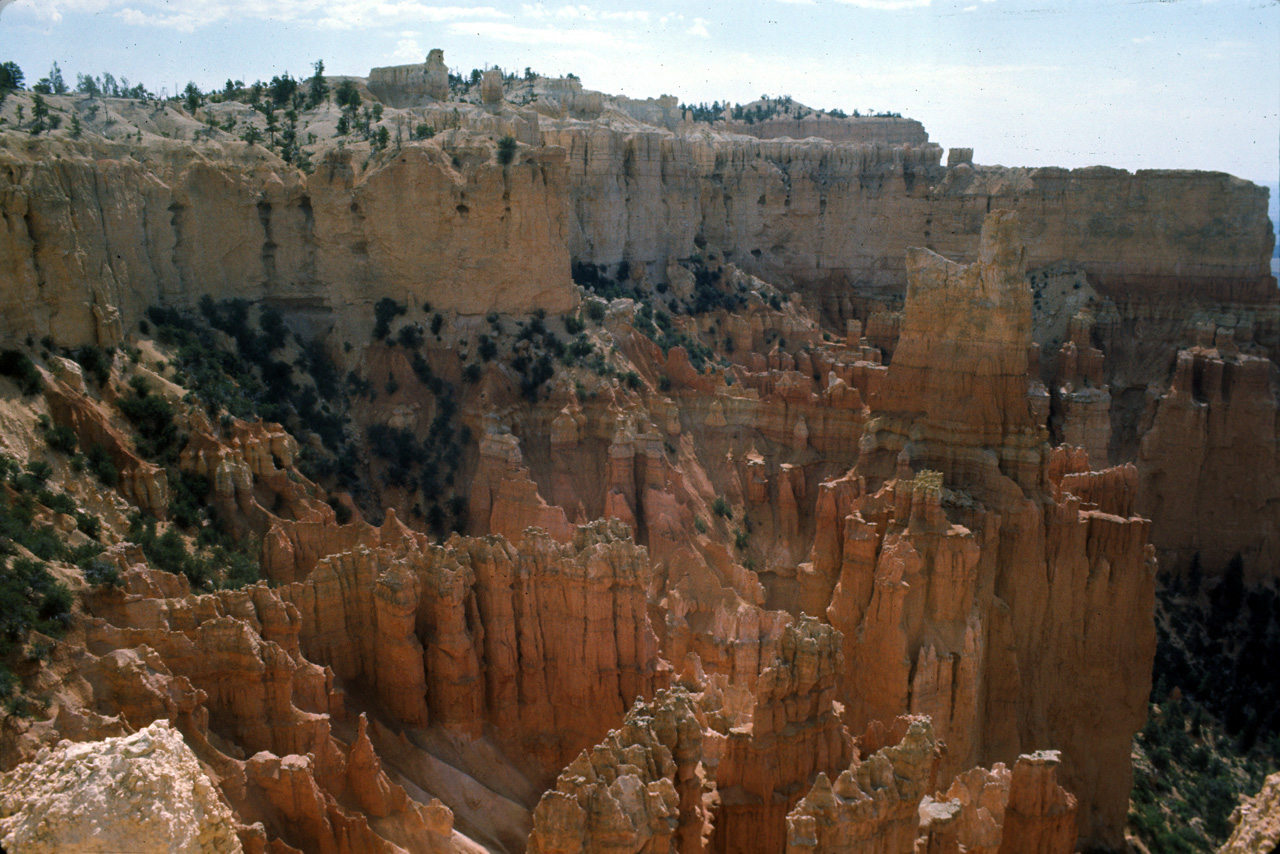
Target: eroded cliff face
959	565
100	232
752	574
824	216
1209	463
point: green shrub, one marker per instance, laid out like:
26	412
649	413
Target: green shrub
58	502
58	437
721	507
15	364
102	466
700	524
507	150
96	362
152	417
88	524
39	471
384	311
31	599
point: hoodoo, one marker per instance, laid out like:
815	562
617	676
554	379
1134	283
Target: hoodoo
514	467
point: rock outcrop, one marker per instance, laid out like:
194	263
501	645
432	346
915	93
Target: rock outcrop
411	85
1210	470
638	790
793	736
1257	822
971	583
872	806
144	792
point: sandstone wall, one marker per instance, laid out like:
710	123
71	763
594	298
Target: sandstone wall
887	130
826	215
92	234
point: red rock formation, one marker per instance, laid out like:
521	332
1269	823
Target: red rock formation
475	632
1040	817
143	483
638	790
504	500
873	804
963	595
1210	472
1081	400
547	643
793	735
880	804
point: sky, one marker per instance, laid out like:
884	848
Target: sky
1134	84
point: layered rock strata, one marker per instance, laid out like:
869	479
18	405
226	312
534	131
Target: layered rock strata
99	235
964	592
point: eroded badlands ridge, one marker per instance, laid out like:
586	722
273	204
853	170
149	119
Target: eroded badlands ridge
734	569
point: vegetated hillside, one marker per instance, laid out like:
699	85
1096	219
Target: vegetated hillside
402	448
1213	732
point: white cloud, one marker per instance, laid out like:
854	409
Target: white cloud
409	49
634	17
183	22
888	5
195	14
357	14
699	28
509	32
50	11
541	11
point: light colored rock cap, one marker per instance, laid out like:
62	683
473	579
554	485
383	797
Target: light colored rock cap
143	793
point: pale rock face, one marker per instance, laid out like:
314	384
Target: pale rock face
411	85
491	86
886	131
1257	822
142	793
827	216
171	228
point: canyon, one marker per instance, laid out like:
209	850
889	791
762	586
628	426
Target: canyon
658	485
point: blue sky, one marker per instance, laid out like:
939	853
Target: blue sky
1139	84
